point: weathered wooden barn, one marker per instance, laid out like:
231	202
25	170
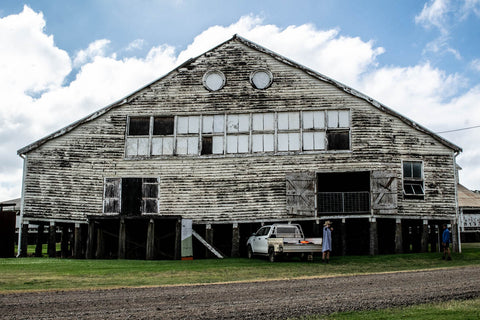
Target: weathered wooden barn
469	214
232	139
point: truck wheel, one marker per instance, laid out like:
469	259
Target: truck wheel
249	252
271	255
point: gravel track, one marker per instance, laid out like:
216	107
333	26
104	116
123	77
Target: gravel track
248	300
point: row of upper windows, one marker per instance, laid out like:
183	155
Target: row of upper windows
238	133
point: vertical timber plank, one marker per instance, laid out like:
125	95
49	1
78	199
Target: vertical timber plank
235	240
398	236
150	250
424	241
52	242
77	246
373	237
64	242
24	245
90	240
122	239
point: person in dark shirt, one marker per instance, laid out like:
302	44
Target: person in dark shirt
446	243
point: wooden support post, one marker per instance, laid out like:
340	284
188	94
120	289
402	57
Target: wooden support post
150	252
64	242
39	241
343	234
122	239
100	252
178	240
235	240
77	246
424	239
90	240
209	239
373	237
52	241
24	245
398	236
454	236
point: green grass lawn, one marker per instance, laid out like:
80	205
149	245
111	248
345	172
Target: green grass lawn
25	274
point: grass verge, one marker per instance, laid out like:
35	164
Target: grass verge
30	274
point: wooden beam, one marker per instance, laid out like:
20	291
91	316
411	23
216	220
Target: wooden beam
90	240
77	246
424	239
373	237
235	240
207	245
398	236
122	240
150	251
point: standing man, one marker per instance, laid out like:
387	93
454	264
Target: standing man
327	241
446	242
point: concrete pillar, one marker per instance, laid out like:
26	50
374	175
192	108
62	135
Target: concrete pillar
64	242
24	245
373	237
122	239
398	236
209	239
77	245
150	251
343	234
39	241
424	239
90	240
52	241
235	240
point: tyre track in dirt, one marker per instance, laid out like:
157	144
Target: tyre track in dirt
278	299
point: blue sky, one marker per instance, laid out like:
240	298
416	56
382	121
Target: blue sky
61	60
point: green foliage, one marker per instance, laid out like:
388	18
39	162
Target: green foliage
48	273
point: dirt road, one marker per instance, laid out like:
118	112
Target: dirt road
252	300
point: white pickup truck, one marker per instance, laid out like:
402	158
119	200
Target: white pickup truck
282	240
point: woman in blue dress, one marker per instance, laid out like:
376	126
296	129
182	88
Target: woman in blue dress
327	241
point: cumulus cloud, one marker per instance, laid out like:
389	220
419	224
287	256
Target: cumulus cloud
39	103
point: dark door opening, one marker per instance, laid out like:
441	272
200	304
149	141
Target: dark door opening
131	196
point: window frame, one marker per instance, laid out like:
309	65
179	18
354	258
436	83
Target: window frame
413	181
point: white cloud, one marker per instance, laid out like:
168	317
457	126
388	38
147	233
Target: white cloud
475	64
97	48
434	15
135	45
417	91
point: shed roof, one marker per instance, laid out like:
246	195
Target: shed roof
467	198
259	48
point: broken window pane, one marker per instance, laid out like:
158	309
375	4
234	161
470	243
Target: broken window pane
139	126
163	126
131	196
207	145
417	170
338	140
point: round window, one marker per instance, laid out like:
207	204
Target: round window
214	80
261	79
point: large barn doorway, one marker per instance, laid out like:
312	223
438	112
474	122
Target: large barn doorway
343	193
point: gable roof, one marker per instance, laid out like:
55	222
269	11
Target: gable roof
259	48
468	199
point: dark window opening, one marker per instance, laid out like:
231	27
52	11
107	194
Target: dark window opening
338	140
207	145
131	196
139	126
412	170
343	192
163	126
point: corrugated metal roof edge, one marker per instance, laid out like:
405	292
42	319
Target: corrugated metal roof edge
257	47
